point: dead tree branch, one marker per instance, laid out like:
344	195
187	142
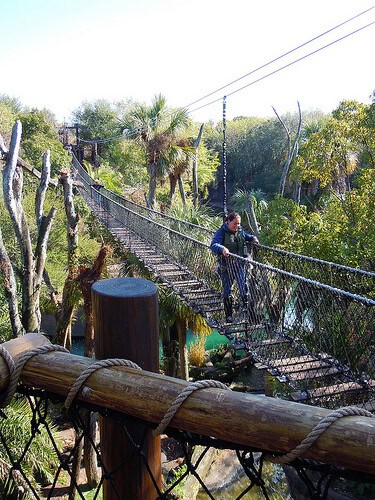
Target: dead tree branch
196	144
32	263
292	149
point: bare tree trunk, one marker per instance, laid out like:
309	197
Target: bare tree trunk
86	278
182	191
192	485
10	289
22	163
172	188
32	263
292	150
89	453
94	155
170	351
65	315
297	192
76	466
152	185
53	292
253	219
195	166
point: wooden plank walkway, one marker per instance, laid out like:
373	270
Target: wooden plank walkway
202	299
293	368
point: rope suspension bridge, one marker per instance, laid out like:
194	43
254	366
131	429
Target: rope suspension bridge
317	337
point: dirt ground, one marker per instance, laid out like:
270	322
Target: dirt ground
170	457
61	491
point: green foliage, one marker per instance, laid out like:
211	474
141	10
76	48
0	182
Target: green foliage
128	158
106	176
39	134
327	156
96	120
242	201
179	475
35	147
88	248
202	215
208	163
347	233
9	109
56	263
36	122
158	129
156	133
284	224
5	324
40	460
11	103
361	127
171	307
217	355
340	229
255	152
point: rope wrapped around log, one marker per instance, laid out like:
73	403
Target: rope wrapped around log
15	368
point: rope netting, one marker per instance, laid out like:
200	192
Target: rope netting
347	278
318	339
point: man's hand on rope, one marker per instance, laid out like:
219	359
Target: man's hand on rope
225	252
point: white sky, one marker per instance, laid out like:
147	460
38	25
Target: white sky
58	53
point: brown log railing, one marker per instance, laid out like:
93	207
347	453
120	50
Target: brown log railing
132	401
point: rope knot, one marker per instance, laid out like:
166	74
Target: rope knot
177	403
16	367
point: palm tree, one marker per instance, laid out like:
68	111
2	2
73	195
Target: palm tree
250	204
40	461
157	128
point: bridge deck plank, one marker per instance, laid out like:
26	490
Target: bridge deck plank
314	373
303	366
326	391
335	389
270	342
292	361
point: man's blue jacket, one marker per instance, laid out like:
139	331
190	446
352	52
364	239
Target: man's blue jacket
217	243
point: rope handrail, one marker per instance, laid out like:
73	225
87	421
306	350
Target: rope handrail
306	313
321	261
159	214
299	327
267	251
235	257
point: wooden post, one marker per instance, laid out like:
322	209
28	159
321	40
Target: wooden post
126	326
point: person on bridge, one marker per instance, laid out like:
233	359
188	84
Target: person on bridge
230	238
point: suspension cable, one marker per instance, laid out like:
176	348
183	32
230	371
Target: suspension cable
279	57
225	209
285	66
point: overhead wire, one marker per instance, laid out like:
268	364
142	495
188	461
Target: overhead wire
136	131
284	67
280	57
